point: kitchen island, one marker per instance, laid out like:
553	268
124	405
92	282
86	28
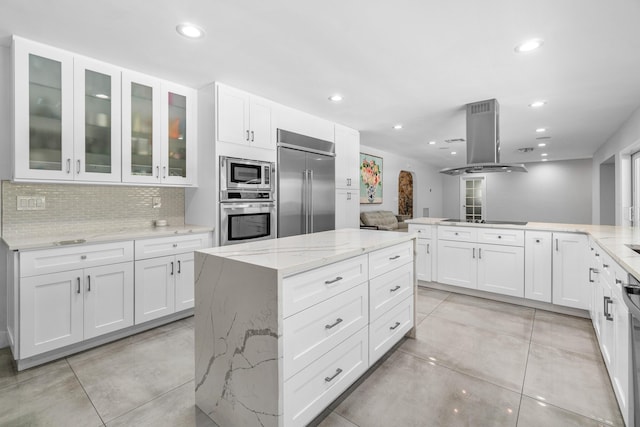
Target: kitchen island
284	326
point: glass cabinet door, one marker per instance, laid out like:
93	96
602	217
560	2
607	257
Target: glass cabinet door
97	121
43	111
140	128
179	139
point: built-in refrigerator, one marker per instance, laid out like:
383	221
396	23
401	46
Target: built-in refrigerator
306	184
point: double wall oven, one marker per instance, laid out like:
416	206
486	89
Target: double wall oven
247	205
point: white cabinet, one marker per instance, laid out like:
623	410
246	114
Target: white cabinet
243	118
537	265
622	366
158	127
570	270
464	261
347	143
425	249
165	274
63	306
347	208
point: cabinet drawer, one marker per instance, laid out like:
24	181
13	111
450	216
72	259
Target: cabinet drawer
423	231
315	387
462	234
387	259
162	246
316	330
311	287
45	261
389	328
501	236
390	288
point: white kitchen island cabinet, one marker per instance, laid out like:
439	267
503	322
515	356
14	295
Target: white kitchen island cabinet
284	326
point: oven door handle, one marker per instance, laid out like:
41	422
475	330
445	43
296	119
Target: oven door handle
633	309
234	207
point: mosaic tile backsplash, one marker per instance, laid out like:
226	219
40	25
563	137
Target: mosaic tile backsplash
87	208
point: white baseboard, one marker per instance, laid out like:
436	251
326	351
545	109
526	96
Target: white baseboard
4	339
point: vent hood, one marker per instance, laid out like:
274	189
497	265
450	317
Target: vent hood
483	141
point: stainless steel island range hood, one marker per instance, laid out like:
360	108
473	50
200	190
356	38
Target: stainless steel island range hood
483	141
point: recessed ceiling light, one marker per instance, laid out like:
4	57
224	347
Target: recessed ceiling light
102	96
335	98
537	104
453	153
545	160
540	130
432	143
542	144
190	31
544	154
529	45
397	127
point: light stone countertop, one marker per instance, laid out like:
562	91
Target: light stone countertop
295	254
52	240
612	239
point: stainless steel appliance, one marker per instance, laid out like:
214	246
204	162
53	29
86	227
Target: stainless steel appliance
306	184
631	297
247	205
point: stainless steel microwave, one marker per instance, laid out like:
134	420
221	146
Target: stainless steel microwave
246	175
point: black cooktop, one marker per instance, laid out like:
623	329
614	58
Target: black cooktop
482	221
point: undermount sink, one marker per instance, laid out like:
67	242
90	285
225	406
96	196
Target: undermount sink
635	248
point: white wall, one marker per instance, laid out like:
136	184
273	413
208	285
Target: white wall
623	142
608	193
5	170
549	192
427	184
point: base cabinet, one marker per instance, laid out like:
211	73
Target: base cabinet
155	288
537	266
425	248
570	270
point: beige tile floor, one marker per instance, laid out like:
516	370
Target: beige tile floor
475	362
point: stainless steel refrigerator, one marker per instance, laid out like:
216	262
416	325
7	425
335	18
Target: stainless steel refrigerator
306	184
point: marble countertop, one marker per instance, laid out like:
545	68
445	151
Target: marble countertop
612	239
53	240
290	255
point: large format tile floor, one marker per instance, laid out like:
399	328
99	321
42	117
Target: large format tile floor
475	362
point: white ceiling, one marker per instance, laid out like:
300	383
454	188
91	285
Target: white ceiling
403	61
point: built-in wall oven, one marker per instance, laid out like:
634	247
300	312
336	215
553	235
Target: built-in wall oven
247	204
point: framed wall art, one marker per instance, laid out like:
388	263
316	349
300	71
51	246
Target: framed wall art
370	179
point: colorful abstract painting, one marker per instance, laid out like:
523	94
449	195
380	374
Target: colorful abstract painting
370	179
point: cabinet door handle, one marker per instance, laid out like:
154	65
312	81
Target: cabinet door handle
331	326
349	182
164	172
394	257
172	268
394	289
473	255
605	265
252	136
89	283
78	289
607	315
328	282
499	237
247	134
428	245
590	278
456	233
329	379
68	165
175	245
394	326
597	254
537	240
179	267
348	196
157	171
618	282
556	245
78	167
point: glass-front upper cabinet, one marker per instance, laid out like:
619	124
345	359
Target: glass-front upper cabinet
179	135
43	112
141	134
97	130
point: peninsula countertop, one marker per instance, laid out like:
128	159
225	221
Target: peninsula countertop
294	254
611	238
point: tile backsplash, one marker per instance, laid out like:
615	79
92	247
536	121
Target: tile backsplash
87	208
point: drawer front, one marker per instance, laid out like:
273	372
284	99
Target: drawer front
316	330
387	259
389	289
310	391
423	231
462	234
387	330
33	263
163	246
501	236
311	287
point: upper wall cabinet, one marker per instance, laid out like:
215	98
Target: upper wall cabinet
347	157
78	119
244	118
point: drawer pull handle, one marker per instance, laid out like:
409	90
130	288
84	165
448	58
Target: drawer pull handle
395	289
394	326
499	237
456	233
179	267
172	268
394	257
78	290
538	241
175	245
338	321
605	265
83	257
89	283
329	379
328	282
428	251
